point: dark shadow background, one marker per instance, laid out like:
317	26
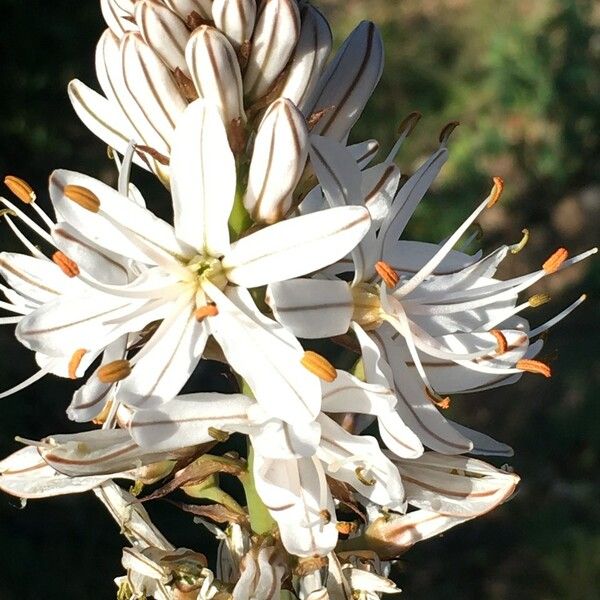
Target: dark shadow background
524	79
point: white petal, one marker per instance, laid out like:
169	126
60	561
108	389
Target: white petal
275	35
312	308
164	365
295	247
457	486
114	16
184	8
364	152
349	81
203	180
215	70
186	420
266	356
291	489
102	231
483	444
278	161
309	58
235	18
415	407
26	475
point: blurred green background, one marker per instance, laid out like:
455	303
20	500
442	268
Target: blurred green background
523	77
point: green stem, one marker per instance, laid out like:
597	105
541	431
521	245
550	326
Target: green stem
239	220
260	518
216	494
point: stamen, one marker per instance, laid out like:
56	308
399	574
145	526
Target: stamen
409	123
155	154
326	516
447	131
218	434
516	248
75	362
534	366
114	371
20	188
110	153
346	527
7	212
496	191
319	366
361	475
443	403
68	267
82	196
387	274
538	300
501	339
210	310
555	261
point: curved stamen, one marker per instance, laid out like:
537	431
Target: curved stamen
557	318
30	223
21	236
29	381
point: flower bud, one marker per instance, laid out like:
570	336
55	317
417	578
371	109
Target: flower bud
278	161
215	71
184	8
349	81
154	101
164	32
116	17
235	18
275	37
310	56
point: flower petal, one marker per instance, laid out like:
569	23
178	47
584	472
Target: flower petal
266	355
295	247
312	308
204	180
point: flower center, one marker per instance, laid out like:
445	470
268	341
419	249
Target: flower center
367	306
210	269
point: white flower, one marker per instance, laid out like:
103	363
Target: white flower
434	308
193	279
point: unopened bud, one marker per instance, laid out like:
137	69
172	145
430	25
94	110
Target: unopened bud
235	18
280	152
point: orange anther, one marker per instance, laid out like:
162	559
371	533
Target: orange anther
443	403
209	310
20	188
82	196
501	339
534	366
75	362
496	191
387	274
555	261
68	267
319	366
114	371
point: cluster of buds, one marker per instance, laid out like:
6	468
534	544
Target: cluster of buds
281	232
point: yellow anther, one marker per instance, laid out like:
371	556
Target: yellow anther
110	152
114	371
538	300
218	434
534	366
387	274
361	475
75	362
20	188
439	401
496	191
68	267
501	339
518	247
447	131
4	212
82	196
319	366
209	310
367	306
409	123
555	261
